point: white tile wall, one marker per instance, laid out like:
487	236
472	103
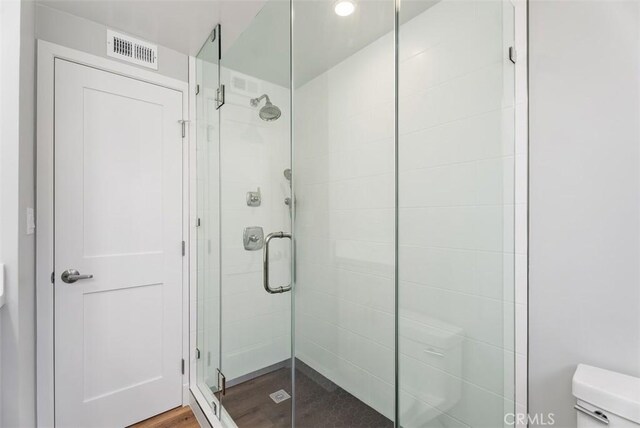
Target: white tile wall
521	267
255	325
344	168
462	237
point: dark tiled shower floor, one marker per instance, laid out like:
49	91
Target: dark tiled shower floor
320	403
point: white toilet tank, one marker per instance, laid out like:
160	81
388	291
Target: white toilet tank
606	398
430	368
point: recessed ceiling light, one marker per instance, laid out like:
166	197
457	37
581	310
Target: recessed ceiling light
344	7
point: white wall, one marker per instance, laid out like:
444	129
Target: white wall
457	208
84	35
585	194
17	318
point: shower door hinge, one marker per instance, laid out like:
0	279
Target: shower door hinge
214	406
222	382
182	366
53	277
197	354
197	89
219	97
183	123
184	248
513	55
198	222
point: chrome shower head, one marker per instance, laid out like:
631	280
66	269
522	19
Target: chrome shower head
268	112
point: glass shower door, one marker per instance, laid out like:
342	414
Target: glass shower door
255	214
207	222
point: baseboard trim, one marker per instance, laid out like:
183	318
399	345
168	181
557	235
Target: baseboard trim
259	372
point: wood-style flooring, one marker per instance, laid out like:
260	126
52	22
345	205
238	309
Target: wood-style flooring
180	417
320	403
249	404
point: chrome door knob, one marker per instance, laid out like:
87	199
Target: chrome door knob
71	275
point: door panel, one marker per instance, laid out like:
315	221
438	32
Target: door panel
208	233
255	201
118	217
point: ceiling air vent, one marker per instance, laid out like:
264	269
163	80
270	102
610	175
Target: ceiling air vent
132	50
243	84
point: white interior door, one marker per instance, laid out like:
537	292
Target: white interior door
118	217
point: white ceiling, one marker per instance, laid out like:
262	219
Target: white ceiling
322	39
255	33
182	25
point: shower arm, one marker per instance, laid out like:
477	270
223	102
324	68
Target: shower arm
256	101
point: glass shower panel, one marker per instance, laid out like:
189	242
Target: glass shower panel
455	214
344	179
255	211
207	230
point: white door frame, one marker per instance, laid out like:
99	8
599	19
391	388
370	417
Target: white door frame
47	53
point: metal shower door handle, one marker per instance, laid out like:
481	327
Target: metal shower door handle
281	289
71	275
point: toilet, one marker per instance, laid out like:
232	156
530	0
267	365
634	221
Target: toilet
431	368
606	398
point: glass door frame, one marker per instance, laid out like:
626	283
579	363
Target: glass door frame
206	144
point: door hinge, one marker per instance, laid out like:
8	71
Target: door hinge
222	382
182	366
197	354
184	248
197	89
53	277
513	55
198	222
219	96
216	36
183	123
214	406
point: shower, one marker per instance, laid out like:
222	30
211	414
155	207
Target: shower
269	112
368	336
